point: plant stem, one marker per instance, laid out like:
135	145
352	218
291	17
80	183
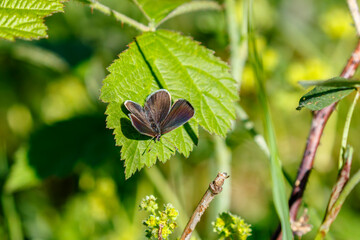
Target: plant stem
118	16
191	7
215	188
339	193
354	10
346	129
161	185
223	157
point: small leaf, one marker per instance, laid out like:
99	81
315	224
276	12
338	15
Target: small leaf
321	97
167	60
158	9
333	82
24	18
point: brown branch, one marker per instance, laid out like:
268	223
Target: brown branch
215	188
318	123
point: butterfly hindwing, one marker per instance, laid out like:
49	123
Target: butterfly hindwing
140	126
179	114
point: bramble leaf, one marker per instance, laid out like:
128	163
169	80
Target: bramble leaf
24	18
322	96
158	9
164	59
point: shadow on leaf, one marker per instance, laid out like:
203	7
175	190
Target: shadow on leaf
130	132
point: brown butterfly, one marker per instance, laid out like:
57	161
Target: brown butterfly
158	117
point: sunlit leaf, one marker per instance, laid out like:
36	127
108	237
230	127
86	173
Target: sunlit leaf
321	97
25	18
187	70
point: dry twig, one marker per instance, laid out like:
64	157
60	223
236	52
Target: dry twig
215	188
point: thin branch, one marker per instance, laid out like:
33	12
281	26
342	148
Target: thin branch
354	10
191	7
334	204
160	232
214	188
118	16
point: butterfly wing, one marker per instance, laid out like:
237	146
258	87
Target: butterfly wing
139	119
143	128
136	110
179	114
158	105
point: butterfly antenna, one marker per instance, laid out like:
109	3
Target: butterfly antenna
170	144
148	146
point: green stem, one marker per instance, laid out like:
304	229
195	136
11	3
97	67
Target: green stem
191	7
164	189
346	130
238	41
324	228
118	16
223	157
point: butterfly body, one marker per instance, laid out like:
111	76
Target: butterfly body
158	117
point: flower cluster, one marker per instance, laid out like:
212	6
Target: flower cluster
229	226
159	222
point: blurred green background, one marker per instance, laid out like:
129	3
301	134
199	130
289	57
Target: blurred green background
61	176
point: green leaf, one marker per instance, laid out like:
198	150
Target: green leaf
24	18
321	97
156	10
333	82
167	60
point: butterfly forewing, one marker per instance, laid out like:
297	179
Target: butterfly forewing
143	128
179	114
157	106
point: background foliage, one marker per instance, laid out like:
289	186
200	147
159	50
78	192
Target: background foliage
60	172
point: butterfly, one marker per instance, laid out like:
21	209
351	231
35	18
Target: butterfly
158	117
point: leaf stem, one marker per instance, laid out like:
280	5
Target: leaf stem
346	129
191	7
118	16
215	188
